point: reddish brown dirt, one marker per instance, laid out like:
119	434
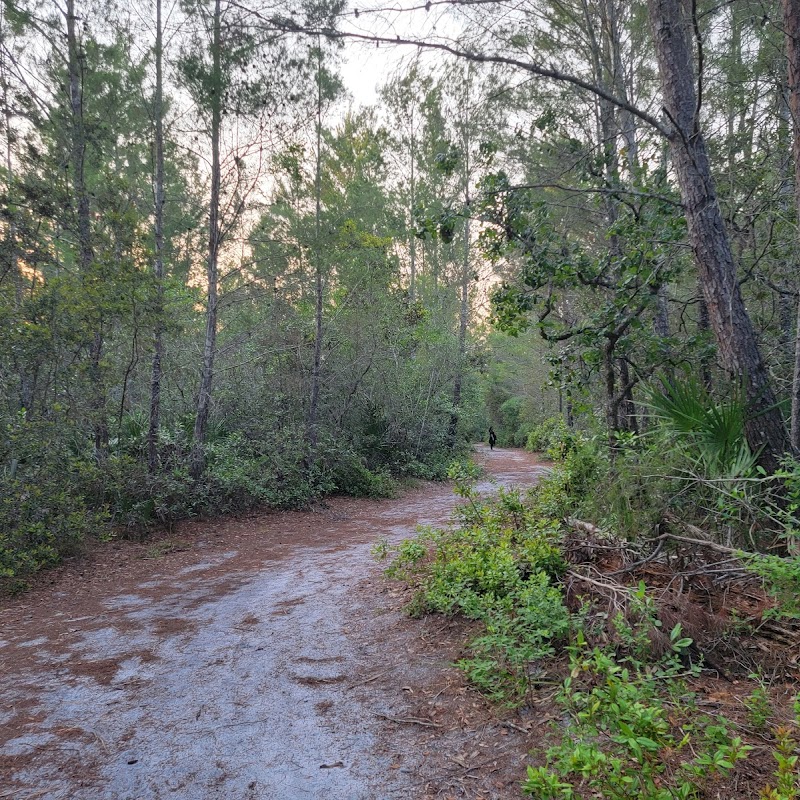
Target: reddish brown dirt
264	657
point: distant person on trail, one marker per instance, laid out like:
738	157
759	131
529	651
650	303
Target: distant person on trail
492	438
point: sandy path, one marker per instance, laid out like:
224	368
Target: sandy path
256	658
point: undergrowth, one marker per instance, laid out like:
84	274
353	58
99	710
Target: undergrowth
57	495
630	726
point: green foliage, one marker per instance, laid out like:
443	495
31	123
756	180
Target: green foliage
350	476
522	627
40	522
627	739
499	566
43	513
712	432
571	483
408	556
757	703
631	495
553	438
787	784
781	576
513	427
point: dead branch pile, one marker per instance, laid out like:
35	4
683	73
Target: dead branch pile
691	581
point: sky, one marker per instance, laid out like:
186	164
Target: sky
365	67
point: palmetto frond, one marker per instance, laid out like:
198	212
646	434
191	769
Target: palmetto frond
711	431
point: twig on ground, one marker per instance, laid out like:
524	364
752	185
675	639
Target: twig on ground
614	588
717	548
636	564
701	537
507	724
410	721
368	680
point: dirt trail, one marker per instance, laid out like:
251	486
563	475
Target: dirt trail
254	658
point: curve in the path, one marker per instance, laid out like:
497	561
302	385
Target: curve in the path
219	671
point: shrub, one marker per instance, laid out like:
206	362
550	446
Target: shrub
521	628
41	521
43	512
499	567
563	490
554	438
349	475
632	734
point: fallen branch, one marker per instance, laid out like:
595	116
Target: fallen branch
410	721
581	525
514	726
615	588
717	548
368	680
701	539
636	564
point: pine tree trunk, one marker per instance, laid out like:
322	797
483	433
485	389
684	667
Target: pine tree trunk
158	261
97	397
316	370
736	338
12	245
210	342
412	244
791	25
463	324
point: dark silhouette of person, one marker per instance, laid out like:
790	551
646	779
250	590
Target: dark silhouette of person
492	438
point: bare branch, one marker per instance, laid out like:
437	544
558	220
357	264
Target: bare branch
291	26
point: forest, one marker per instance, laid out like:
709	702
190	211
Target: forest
228	283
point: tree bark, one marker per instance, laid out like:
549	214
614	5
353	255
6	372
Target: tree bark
97	398
158	261
736	338
210	342
412	242
463	324
791	26
25	384
606	60
316	369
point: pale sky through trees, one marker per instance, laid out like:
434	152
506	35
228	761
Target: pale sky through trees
365	66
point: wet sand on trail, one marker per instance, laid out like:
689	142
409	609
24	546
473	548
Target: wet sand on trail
263	657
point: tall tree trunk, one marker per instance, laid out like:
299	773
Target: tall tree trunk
412	245
736	339
158	261
463	324
463	313
210	342
97	402
606	59
661	329
11	236
612	407
791	25
316	370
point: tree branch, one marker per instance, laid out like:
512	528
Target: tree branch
290	26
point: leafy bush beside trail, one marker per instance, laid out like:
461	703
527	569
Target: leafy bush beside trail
632	724
58	495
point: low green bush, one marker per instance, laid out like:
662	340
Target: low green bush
44	514
349	475
554	438
40	522
499	566
634	733
521	628
631	728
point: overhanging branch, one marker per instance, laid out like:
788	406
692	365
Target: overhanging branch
291	26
